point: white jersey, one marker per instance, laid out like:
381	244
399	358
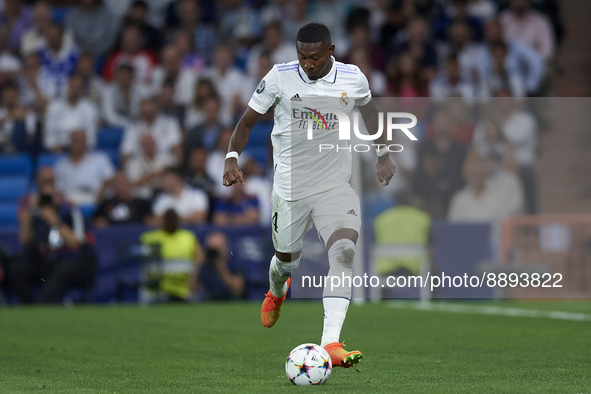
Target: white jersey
301	169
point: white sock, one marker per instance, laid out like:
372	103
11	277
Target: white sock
335	310
279	272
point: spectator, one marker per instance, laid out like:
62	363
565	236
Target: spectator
416	40
206	133
34	92
56	252
138	16
486	197
519	127
196	174
233	87
165	130
239	21
360	38
18	126
501	77
122	97
450	83
190	204
404	77
17	18
218	279
203	35
58	63
484	10
203	91
10	65
167	103
145	169
452	153
395	23
183	80
92	82
431	185
460	38
34	39
430	10
181	256
183	40
489	143
297	16
521	22
520	60
122	207
280	51
132	52
238	209
255	184
459	11
83	176
376	78
94	26
70	113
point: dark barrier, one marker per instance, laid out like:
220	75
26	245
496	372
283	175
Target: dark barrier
250	246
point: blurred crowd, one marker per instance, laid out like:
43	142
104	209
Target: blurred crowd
174	76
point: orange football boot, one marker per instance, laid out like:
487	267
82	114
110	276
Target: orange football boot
342	358
272	307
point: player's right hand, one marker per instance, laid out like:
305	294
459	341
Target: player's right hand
232	173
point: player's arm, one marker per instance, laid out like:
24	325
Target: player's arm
232	172
385	169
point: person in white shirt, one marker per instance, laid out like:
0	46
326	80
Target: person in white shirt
165	130
312	187
145	170
281	52
487	197
172	69
68	114
230	83
451	83
83	176
34	39
190	204
121	98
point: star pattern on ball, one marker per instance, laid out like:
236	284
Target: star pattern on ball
326	365
308	348
303	369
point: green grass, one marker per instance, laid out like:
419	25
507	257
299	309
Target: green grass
221	348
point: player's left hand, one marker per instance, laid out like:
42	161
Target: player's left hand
385	170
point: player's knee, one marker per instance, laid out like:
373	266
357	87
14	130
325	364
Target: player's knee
342	253
288	267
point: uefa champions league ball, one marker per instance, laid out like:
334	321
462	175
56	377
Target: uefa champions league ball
308	364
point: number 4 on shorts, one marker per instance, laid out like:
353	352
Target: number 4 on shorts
275	221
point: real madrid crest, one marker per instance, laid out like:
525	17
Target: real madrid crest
344	99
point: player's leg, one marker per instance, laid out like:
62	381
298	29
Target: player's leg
336	215
290	221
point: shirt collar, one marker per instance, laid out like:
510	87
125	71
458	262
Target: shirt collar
331	77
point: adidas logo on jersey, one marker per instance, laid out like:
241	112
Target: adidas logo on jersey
351	212
296	97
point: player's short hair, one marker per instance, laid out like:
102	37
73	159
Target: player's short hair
314	32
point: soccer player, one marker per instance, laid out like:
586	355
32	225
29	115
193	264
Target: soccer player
313	188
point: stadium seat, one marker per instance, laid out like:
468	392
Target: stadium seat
87	210
19	165
109	138
8	215
49	159
260	134
259	153
60	14
12	188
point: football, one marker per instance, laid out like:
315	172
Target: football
308	364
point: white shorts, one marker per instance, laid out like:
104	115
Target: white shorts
329	211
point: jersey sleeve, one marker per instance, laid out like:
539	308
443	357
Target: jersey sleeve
363	93
266	92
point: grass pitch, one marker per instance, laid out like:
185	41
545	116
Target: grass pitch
222	348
